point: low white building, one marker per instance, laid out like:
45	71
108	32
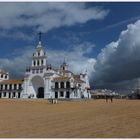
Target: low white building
43	81
9	88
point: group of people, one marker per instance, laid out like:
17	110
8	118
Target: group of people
53	101
109	97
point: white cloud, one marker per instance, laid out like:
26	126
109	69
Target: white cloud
17	64
47	16
16	35
126	21
120	61
75	58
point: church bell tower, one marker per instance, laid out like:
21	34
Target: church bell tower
39	58
64	66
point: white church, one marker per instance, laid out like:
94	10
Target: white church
42	80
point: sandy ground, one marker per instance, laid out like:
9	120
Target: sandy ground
82	119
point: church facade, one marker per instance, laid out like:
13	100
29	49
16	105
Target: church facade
42	80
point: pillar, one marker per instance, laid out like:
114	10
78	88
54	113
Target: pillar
58	84
1	94
44	62
47	91
64	93
65	84
8	86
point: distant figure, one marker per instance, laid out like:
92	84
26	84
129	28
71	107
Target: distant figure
106	98
111	98
51	100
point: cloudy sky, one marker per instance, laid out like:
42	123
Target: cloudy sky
102	38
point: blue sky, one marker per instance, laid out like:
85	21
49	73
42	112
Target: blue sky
96	32
80	32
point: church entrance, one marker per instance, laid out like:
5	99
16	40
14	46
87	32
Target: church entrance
38	86
40	93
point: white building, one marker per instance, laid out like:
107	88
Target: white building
9	88
43	81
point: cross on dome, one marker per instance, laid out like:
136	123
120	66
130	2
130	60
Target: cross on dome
39	38
39	35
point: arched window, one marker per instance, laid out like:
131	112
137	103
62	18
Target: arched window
14	94
62	84
5	87
56	85
67	94
67	84
2	76
1	87
42	62
4	94
38	53
63	68
15	86
10	86
38	62
34	63
18	94
20	87
61	93
9	94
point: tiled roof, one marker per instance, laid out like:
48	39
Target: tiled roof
77	79
11	81
76	76
61	78
65	78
